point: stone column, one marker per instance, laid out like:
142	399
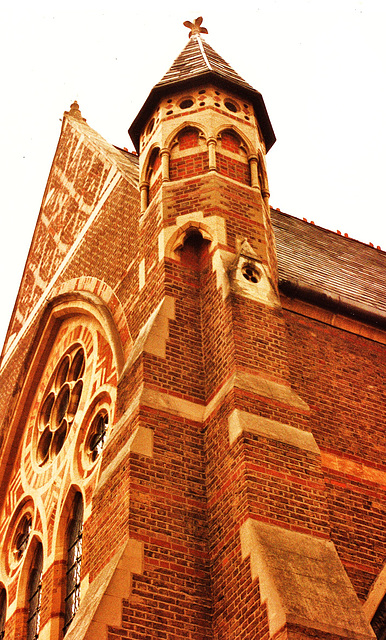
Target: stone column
212	154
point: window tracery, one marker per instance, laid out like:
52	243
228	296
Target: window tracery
73	378
74	562
98	433
22	535
60	405
34	594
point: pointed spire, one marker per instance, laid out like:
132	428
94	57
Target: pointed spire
198	63
198	58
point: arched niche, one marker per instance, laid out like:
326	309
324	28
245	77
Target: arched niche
153	175
190	244
188	153
182	132
232	152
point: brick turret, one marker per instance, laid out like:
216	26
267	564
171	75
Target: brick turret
202	136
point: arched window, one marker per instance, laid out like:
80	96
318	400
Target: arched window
3	612
34	594
74	560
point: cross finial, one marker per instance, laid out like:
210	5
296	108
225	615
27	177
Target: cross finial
195	27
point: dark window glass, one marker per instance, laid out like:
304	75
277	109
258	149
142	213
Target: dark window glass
23	535
3	612
34	595
74	561
98	436
379	621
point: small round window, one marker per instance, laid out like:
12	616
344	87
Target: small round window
150	126
22	536
231	106
185	104
250	273
98	433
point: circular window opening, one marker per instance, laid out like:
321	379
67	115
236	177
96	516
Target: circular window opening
62	373
98	435
150	126
250	273
44	447
185	104
77	366
231	106
59	438
45	412
22	536
60	407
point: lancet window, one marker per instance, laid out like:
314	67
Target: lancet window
34	594
74	561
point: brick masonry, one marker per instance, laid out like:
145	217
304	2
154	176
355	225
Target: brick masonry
226	412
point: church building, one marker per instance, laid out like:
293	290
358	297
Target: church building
192	391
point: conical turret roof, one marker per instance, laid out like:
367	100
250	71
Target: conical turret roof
199	58
198	62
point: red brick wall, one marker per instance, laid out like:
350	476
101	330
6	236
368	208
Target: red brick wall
341	376
188	166
233	168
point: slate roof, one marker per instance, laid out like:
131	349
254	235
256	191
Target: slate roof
197	63
330	269
197	58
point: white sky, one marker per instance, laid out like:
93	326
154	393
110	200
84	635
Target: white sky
320	65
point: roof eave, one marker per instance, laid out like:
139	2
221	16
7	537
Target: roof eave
336	303
160	90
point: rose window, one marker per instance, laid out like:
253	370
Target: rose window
60	405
